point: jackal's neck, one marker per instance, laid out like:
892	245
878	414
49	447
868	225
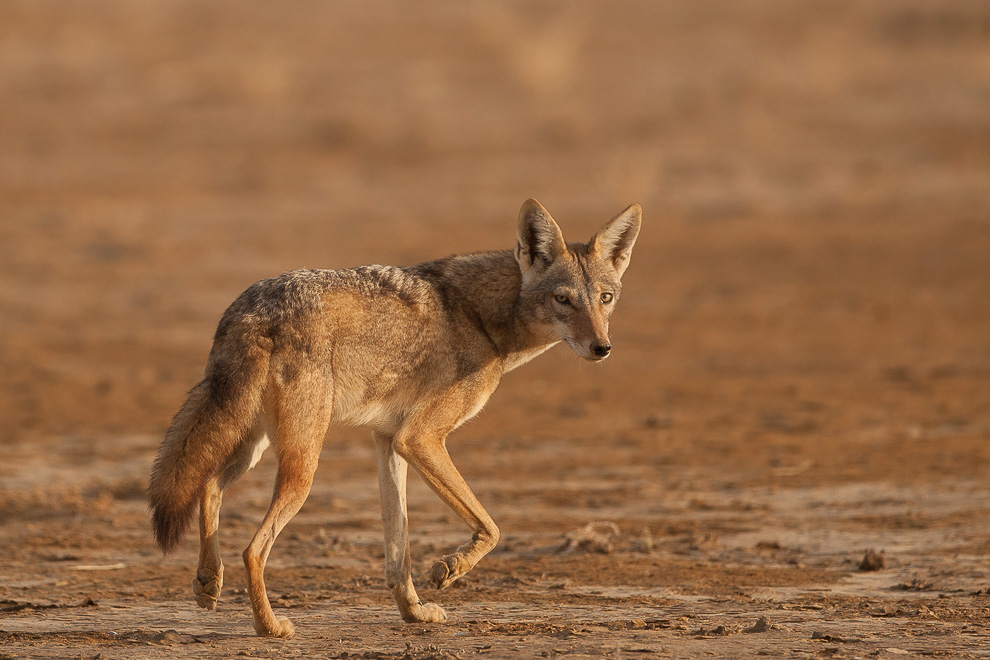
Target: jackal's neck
485	287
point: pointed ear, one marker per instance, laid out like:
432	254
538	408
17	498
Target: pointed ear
614	242
538	239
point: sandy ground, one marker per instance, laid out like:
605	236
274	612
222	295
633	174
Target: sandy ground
801	370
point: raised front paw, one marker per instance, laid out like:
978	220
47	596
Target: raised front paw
425	613
207	587
445	571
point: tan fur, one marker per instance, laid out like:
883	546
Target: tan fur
411	353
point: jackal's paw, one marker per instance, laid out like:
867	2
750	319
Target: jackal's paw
425	613
448	569
207	587
283	628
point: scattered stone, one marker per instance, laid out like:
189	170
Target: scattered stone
762	625
917	584
884	612
632	624
718	631
595	537
822	637
872	561
174	637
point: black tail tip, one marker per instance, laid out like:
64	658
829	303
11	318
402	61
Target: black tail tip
169	526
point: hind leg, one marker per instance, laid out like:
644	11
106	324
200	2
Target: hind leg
300	427
209	574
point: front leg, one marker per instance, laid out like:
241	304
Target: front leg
392	470
428	455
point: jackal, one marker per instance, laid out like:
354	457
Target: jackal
412	353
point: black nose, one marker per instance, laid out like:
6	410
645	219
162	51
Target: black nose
600	350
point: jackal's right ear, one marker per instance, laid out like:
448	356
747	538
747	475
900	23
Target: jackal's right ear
538	239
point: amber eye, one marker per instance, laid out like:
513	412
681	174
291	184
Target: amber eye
562	299
606	298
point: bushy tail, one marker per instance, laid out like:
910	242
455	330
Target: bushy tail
205	432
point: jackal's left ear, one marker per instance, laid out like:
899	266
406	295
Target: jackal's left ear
614	242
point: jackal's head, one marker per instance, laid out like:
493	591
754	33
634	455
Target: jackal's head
574	287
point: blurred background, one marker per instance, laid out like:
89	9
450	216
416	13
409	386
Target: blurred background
811	286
